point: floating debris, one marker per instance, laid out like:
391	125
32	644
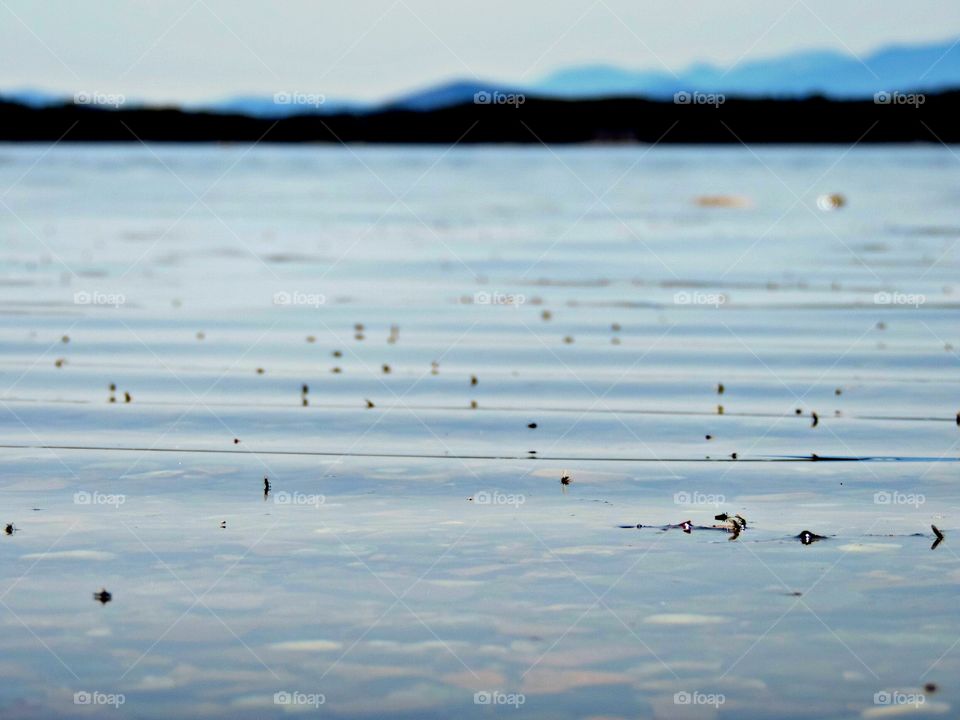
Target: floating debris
473	404
337	353
369	403
532	426
103	597
720	389
394	334
386	369
719	409
236	441
815	419
266	488
336	370
127	397
930	687
568	340
733	456
686	526
9	529
359	336
113	387
65	339
723	201
223	524
566	478
358	327
838	391
311	339
798	411
708	437
831	201
940	537
808	538
473	380
546	315
434	368
615	327
615	341
60	362
201	336
304	389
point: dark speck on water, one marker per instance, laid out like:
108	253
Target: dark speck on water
532	426
473	380
337	353
815	419
103	597
8	530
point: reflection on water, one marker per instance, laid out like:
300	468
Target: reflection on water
283	431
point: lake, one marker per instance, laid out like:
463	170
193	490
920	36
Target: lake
412	346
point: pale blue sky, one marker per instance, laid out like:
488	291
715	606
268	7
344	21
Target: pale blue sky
198	49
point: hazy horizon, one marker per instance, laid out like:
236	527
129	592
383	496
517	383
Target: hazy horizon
195	50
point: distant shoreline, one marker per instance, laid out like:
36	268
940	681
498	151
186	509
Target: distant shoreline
611	121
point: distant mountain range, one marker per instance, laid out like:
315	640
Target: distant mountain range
916	68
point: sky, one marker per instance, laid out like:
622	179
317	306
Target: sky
190	50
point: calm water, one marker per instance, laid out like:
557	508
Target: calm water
415	553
